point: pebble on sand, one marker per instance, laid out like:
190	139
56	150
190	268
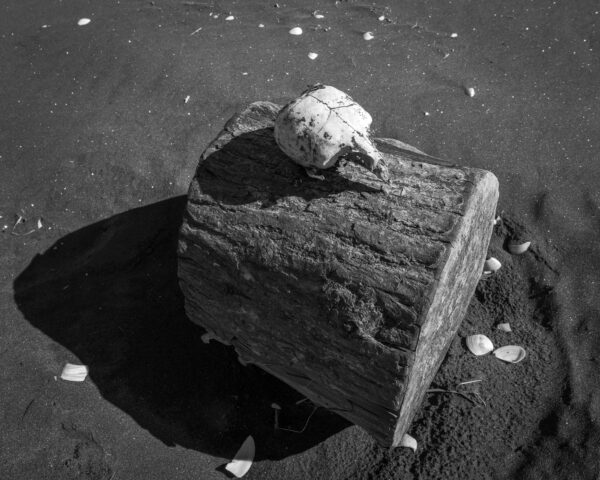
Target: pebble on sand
296	31
83	21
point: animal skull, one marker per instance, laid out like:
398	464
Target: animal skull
323	124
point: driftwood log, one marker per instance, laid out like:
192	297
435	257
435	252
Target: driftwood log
347	289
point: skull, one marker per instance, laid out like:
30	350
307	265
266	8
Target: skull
323	124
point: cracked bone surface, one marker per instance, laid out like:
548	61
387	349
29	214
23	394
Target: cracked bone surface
323	124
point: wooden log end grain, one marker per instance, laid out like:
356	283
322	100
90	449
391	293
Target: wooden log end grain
347	289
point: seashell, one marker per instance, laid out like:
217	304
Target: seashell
479	344
314	131
491	265
296	31
261	25
408	442
368	36
517	248
230	18
74	373
313	55
83	21
497	220
381	18
504	327
316	14
453	35
242	461
470	92
510	353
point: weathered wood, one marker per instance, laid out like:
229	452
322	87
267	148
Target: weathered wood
347	292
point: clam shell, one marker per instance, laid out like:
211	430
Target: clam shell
510	353
242	461
296	31
74	373
504	327
518	248
408	442
479	344
83	21
491	265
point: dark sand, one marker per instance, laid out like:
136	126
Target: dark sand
97	140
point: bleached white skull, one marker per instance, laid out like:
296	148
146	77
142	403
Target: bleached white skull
323	124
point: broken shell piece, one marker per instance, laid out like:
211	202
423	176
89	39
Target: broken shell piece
230	18
242	461
470	92
504	327
491	265
510	353
39	223
368	36
453	35
296	31
313	55
497	220
408	442
83	21
517	248
381	18
479	344
74	373
316	14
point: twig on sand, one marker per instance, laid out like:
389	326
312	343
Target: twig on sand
305	423
468	382
464	395
196	31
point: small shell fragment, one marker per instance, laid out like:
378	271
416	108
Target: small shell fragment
517	248
230	18
470	92
316	14
479	344
368	36
491	265
510	353
381	18
83	21
504	327
453	35
39	223
261	25
497	220
408	442
74	373
313	55
296	31
242	461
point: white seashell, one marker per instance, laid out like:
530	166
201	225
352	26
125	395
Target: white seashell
230	18
39	223
518	248
504	327
497	220
261	25
381	18
479	344
453	35
368	36
313	55
83	21
408	442
314	131
74	373
242	461
296	31
318	15
470	92
510	353
491	265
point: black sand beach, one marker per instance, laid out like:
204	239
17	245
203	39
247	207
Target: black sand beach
102	126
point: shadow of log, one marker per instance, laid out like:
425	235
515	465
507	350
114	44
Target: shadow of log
109	293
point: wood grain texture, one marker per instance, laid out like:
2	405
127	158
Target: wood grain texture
347	289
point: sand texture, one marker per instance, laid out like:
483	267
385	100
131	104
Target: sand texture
101	130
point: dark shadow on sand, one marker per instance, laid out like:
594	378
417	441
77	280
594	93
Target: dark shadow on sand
109	293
